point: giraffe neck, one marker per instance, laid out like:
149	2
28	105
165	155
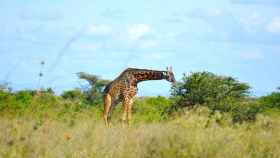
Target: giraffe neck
146	75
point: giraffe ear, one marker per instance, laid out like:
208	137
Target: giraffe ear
171	68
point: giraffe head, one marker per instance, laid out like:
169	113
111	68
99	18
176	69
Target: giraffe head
170	75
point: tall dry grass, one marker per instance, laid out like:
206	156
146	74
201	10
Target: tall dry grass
193	135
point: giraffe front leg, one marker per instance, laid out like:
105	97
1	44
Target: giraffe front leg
125	112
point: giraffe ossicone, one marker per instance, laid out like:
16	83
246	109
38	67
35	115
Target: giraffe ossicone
124	89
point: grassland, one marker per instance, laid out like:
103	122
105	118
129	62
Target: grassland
71	132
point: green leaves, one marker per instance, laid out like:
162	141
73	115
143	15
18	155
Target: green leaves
73	94
218	93
205	87
271	101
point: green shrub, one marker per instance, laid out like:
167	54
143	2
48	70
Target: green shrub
73	94
245	111
25	97
201	88
4	95
5	98
240	110
218	93
151	109
271	101
9	103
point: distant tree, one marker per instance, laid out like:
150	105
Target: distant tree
73	94
43	91
272	100
49	91
96	85
30	92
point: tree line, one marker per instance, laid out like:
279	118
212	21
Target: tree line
224	94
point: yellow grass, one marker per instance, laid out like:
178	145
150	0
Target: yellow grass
192	135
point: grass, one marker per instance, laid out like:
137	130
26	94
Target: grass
191	135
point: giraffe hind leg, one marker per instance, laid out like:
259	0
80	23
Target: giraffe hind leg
114	103
107	108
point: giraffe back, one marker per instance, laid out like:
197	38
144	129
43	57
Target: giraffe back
126	82
117	87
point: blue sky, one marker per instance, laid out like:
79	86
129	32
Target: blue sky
239	38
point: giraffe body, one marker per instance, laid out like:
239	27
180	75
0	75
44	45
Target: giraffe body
124	88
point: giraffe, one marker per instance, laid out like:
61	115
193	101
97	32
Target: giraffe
124	89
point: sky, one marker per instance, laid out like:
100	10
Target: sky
238	38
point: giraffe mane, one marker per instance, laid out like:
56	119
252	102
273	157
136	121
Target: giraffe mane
137	69
130	69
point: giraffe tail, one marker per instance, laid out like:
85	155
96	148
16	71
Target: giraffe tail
107	88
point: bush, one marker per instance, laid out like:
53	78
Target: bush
151	109
271	101
45	104
6	99
73	94
17	103
218	93
245	111
25	97
9	103
201	88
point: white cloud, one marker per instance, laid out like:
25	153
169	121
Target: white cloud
274	26
137	31
100	29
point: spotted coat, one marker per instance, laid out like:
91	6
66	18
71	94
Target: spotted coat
124	88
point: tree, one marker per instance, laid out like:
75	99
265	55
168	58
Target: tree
202	88
272	100
218	93
49	91
94	93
